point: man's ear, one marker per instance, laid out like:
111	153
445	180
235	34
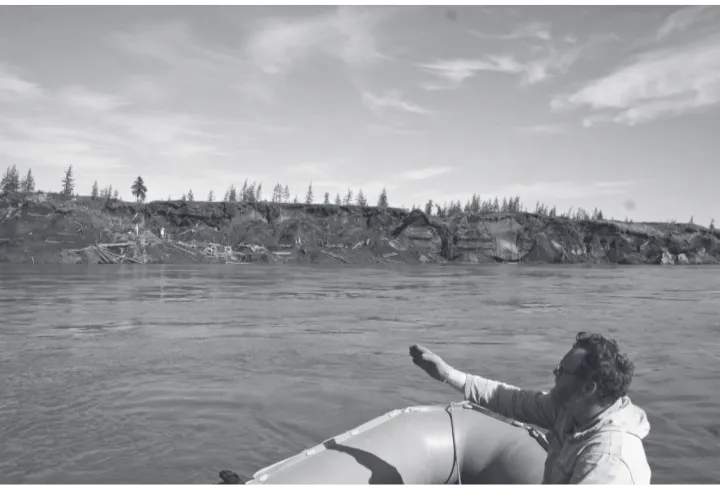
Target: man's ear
590	388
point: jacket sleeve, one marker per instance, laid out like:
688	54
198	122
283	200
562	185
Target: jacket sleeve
532	407
599	468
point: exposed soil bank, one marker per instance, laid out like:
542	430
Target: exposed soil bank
42	228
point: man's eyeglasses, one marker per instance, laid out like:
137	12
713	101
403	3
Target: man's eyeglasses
561	371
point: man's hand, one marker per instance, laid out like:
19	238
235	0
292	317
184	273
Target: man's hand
430	362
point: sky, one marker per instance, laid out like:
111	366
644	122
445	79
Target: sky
615	107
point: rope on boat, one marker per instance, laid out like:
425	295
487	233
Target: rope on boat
457	455
537	435
533	432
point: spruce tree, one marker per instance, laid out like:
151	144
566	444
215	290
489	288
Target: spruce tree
28	183
309	194
360	199
383	201
68	182
138	189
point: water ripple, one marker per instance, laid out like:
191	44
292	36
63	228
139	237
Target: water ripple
154	374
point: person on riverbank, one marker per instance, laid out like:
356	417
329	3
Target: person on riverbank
595	432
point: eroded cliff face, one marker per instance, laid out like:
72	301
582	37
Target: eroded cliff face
39	228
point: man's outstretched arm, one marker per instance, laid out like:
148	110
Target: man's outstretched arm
531	407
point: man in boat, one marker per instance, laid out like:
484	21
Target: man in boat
595	432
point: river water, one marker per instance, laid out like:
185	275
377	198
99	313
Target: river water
169	374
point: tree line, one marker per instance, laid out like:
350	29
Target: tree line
253	192
11	181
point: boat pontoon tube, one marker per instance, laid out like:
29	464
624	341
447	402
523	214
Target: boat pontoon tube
420	445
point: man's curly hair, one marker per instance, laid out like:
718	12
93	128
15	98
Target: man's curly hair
605	365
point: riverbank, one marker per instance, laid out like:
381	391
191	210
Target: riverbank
49	228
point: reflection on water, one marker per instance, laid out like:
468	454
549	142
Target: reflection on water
135	374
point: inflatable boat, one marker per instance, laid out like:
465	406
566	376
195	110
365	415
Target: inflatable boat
456	443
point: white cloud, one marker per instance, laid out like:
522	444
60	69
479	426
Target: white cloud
275	128
551	61
58	142
319	168
615	184
545	128
392	113
60	133
453	72
52	128
554	61
662	83
256	86
589	121
146	89
59	153
177	134
167	42
277	44
179	57
390	129
392	100
686	17
360	44
174	43
532	30
98	132
83	98
13	86
345	33
546	190
305	169
191	150
543	60
425	173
